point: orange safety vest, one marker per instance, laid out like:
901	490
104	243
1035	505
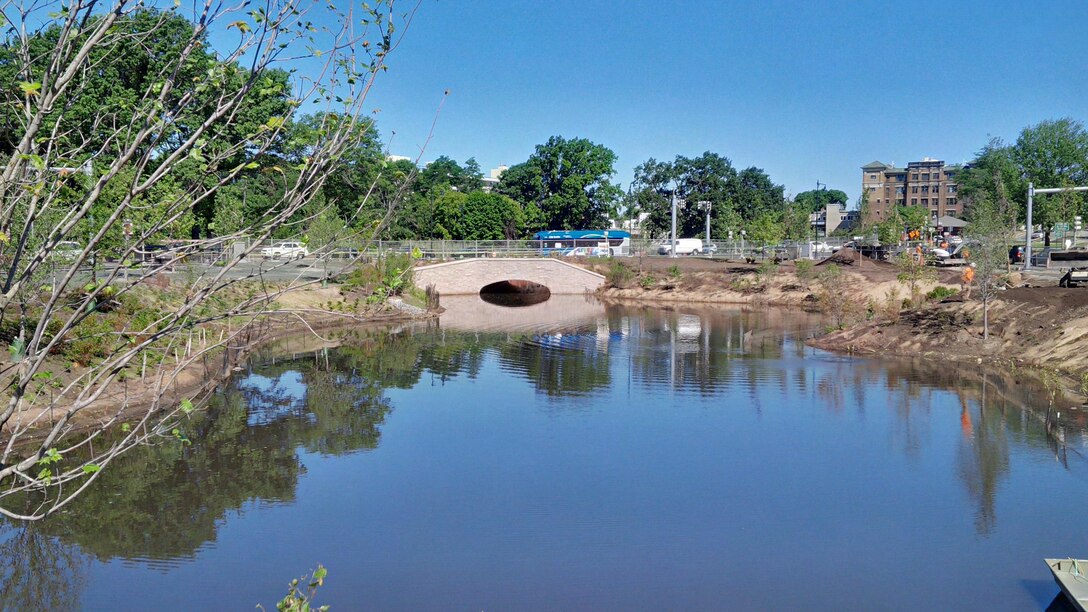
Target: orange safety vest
968	274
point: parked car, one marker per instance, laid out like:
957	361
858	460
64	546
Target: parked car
67	251
286	250
1016	254
684	246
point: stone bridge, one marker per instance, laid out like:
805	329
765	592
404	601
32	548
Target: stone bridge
469	276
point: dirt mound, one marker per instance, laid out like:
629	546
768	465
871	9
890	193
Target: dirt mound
845	256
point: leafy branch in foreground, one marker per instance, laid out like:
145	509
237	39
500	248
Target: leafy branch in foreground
125	127
300	599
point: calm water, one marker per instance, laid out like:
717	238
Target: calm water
572	456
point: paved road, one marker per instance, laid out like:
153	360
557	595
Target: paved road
272	270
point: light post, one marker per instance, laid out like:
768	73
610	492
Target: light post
742	235
1031	202
126	229
705	204
672	251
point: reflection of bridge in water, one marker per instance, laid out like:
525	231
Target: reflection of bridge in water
470	313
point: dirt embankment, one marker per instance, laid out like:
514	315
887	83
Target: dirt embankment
1035	324
699	280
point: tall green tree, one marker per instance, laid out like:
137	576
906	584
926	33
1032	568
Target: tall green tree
1052	153
709	180
569	181
817	199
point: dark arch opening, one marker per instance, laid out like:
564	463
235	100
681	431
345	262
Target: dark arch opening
515	293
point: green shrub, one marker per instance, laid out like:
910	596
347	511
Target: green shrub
939	293
804	269
647	281
619	275
767	268
90	341
674	271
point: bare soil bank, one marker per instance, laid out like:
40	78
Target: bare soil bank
1035	325
693	279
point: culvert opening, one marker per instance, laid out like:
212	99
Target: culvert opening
515	293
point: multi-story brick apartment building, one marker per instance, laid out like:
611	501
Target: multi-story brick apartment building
928	183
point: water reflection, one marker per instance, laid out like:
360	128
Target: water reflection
734	369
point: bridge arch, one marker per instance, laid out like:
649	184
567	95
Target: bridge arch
469	276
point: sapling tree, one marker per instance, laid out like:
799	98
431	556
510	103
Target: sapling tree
992	221
118	123
912	271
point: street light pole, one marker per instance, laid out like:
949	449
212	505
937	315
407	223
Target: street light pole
707	206
672	251
1031	202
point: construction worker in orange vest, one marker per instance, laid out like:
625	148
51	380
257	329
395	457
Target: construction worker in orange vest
966	279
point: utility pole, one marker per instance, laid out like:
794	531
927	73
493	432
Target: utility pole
707	205
672	251
1031	203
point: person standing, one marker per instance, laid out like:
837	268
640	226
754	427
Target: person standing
966	279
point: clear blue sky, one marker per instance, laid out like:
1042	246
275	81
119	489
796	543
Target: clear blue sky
805	90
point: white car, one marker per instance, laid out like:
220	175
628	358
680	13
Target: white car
684	246
286	250
67	250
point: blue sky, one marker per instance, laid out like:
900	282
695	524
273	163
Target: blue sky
805	90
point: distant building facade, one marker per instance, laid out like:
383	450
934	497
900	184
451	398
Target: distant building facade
834	217
492	179
929	184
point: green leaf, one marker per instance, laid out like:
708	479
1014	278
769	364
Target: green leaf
242	26
125	427
30	89
91	468
186	406
252	166
274	123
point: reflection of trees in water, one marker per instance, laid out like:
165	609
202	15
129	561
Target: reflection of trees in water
558	371
39	572
166	500
982	458
995	409
703	350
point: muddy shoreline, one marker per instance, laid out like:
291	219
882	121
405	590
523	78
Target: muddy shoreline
1034	326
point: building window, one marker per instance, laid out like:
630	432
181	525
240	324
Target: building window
887	190
925	188
914	189
951	201
925	176
925	201
899	201
951	189
899	190
913	201
872	177
914	177
936	189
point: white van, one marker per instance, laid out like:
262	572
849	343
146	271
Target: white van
684	246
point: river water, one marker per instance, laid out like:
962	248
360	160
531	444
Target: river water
569	455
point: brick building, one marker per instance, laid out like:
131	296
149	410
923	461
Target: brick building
928	183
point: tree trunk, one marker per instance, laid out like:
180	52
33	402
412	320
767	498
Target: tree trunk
985	316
